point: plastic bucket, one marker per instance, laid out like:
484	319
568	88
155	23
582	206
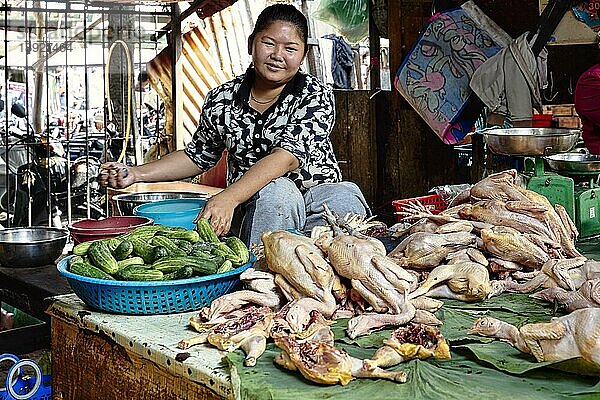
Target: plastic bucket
175	212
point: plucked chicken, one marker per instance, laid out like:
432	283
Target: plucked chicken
409	342
588	295
573	335
323	363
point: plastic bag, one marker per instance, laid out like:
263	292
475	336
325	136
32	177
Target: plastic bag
449	192
349	17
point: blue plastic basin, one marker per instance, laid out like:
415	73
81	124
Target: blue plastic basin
175	212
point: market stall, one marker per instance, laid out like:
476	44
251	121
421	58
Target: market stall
315	319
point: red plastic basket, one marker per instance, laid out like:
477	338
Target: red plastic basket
433	202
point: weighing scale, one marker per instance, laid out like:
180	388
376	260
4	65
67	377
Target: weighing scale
584	170
573	182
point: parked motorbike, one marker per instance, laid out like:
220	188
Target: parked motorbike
42	194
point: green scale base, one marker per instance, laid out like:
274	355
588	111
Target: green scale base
556	188
582	201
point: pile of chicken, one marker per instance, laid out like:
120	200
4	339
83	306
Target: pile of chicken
500	238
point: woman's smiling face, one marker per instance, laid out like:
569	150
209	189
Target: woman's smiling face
277	53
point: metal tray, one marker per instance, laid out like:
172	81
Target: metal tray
574	162
531	141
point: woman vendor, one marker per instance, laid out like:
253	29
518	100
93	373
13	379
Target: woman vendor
587	104
275	123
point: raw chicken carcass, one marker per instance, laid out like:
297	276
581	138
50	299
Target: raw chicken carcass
426	250
321	362
509	244
301	265
566	273
499	213
380	281
588	295
462	280
408	342
499	186
570	336
246	328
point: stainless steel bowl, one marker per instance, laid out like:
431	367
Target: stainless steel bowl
31	247
574	162
531	141
126	202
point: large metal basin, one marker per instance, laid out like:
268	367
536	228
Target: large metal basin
574	162
126	202
531	141
31	247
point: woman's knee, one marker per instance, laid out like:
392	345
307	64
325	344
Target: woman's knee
280	193
342	197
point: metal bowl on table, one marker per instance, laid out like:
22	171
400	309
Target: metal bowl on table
574	162
31	247
531	141
126	202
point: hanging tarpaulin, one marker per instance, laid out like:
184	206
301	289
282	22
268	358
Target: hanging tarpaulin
434	77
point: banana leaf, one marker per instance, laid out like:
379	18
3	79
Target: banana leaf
480	367
460	378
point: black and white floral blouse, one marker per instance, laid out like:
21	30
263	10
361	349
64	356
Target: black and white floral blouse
300	122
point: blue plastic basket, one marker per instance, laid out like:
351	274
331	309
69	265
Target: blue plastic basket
152	297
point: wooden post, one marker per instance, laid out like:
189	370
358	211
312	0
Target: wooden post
416	159
313	57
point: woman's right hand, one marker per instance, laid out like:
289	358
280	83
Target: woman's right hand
116	175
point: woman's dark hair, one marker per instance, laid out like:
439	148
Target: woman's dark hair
281	12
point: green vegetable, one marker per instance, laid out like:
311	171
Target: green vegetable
181	273
81	249
239	248
84	268
226	266
168	244
206	232
100	256
130	261
189	235
140	273
123	250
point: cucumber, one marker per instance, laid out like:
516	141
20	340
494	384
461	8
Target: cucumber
142	248
130	261
160	252
184	245
206	231
181	273
100	256
81	249
84	268
225	267
223	250
188	235
168	244
123	250
140	273
239	248
201	267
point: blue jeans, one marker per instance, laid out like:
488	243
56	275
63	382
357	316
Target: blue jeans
281	205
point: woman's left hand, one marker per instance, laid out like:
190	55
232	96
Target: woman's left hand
219	211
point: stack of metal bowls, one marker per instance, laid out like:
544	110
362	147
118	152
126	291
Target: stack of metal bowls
531	141
125	203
